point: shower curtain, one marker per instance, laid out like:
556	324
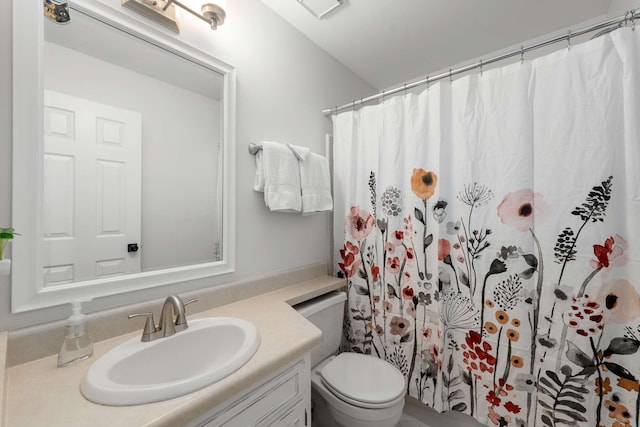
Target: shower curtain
489	232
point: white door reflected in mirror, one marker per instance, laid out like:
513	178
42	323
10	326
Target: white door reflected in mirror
123	168
92	189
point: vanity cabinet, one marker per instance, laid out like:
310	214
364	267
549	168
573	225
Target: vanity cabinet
282	400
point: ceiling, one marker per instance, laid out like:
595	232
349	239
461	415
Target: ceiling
386	42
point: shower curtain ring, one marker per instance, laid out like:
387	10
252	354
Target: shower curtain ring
480	67
450	76
633	19
426	82
569	40
405	89
521	54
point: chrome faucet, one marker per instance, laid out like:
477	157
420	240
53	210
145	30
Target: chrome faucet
172	319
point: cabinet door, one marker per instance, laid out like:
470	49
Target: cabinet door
281	396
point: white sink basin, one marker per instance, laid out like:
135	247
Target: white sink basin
138	372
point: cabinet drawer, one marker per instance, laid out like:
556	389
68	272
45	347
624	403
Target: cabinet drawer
294	417
260	404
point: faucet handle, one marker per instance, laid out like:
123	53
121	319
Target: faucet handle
149	325
181	318
190	301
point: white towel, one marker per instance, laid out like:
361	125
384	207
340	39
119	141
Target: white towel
278	175
316	184
300	152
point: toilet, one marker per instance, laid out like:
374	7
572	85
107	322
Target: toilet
350	389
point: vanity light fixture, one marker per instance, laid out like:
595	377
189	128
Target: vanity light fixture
164	11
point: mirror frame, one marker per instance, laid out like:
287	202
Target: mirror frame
27	290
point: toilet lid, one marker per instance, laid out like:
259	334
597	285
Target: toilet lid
363	378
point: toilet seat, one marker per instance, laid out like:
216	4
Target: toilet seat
363	380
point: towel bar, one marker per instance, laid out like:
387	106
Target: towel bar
254	148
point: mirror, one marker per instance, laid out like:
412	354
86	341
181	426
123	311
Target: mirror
129	173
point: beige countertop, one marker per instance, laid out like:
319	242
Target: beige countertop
38	393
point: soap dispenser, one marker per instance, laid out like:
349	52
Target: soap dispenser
77	345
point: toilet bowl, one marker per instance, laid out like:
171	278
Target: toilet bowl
350	389
356	403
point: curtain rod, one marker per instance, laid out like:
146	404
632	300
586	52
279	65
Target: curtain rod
629	16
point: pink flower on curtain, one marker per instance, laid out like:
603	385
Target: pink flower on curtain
398	325
393	265
409	256
350	263
619	300
411	309
496	418
407	292
611	253
408	224
434	351
518	209
398	237
444	249
389	247
359	223
375	272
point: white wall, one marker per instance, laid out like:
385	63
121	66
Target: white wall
283	83
619	7
180	146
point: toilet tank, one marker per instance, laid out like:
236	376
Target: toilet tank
326	312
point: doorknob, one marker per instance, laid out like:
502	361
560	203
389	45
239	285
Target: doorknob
132	247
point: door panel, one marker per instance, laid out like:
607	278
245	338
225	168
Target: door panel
92	197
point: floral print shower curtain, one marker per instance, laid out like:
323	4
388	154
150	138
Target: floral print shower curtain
489	233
